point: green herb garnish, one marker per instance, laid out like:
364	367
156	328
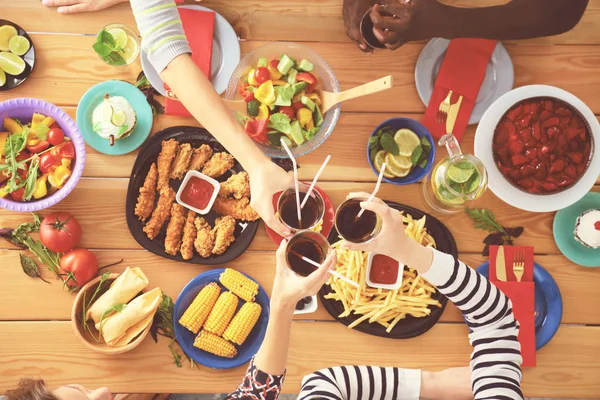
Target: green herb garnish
107	49
30	267
485	220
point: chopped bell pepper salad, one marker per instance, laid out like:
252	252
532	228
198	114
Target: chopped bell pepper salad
282	102
36	158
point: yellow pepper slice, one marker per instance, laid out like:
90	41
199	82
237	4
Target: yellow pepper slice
3	192
32	142
263	112
305	117
275	74
279	83
60	175
12	126
251	79
40	187
265	93
315	98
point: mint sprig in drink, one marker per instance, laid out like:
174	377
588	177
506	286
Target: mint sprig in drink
117	44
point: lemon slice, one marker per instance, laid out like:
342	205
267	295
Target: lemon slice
119	118
7	32
130	51
11	63
379	160
398	172
19	45
407	141
399	161
120	37
2	77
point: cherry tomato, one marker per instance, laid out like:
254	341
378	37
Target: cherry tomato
47	161
60	232
56	136
287	110
65	150
261	75
80	266
275	63
17	195
38	148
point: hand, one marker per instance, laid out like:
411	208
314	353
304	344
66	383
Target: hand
289	288
78	6
394	21
353	12
266	180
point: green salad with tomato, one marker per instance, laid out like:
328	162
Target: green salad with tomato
282	101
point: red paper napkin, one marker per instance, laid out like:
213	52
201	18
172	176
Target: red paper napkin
522	295
199	27
462	72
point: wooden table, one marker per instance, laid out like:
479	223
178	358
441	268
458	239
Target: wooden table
36	338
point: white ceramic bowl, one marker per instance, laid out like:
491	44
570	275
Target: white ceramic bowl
501	186
393	286
210	180
310	307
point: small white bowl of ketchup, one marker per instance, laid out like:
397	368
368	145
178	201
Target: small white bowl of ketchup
198	192
384	272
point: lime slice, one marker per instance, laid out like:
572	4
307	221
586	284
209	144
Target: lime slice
473	183
398	172
379	160
2	77
119	118
19	45
407	141
11	63
7	32
460	174
120	37
399	161
130	51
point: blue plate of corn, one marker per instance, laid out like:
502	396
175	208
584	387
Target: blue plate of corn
221	318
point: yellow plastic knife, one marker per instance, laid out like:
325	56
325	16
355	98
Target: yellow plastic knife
500	265
452	115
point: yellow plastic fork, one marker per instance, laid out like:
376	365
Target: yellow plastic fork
519	264
442	114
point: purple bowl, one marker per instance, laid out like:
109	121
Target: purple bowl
23	108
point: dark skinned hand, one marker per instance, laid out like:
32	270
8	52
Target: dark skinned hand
397	22
353	12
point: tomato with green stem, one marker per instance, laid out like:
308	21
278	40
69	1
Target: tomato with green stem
78	267
60	232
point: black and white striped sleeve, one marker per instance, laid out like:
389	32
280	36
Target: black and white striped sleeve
495	361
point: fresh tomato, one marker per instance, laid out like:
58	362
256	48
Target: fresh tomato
79	267
261	75
39	147
56	136
47	161
287	110
24	155
247	94
297	105
310	79
274	63
257	129
60	232
65	150
17	195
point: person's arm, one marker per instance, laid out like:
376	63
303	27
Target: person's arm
167	48
518	19
79	6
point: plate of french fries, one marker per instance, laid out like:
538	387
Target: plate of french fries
220	318
399	314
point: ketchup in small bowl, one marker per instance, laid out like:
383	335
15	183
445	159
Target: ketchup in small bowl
384	272
198	192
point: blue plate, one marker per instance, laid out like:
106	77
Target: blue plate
548	303
564	227
417	173
94	96
186	338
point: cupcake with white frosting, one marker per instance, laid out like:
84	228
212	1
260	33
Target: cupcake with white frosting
587	229
114	118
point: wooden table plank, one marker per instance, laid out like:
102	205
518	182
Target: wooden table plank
102	216
67	67
567	366
262	20
52	303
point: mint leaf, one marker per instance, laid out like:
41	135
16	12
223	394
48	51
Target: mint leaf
280	122
416	155
103	50
373	154
423	162
425	143
373	142
389	144
106	38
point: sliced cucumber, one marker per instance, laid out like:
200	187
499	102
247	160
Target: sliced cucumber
296	133
262	62
306	66
308	103
285	64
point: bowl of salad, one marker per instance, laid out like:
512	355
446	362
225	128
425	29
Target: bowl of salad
42	154
281	82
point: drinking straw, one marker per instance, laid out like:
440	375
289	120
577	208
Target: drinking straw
314	182
372	196
332	272
287	149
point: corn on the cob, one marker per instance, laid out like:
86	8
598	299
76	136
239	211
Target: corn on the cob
221	314
239	284
241	325
196	314
214	344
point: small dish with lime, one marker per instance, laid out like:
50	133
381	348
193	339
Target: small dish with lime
405	147
17	55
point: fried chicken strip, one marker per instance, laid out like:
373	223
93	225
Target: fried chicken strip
205	238
175	229
180	165
223	230
169	149
189	235
238	186
199	157
145	200
218	164
161	213
238	209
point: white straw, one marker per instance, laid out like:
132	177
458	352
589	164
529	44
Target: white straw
314	182
372	196
287	149
332	272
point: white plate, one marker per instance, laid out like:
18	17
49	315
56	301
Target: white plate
225	55
499	75
503	188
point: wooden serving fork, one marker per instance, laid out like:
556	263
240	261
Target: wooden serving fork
519	264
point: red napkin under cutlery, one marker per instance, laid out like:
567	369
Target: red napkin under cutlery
462	72
199	27
522	295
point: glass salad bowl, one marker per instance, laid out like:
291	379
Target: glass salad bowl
326	81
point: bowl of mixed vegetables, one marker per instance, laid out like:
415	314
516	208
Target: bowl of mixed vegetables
42	154
281	82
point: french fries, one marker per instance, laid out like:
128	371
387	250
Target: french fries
385	307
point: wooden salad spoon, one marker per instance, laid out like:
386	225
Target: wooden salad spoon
329	99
